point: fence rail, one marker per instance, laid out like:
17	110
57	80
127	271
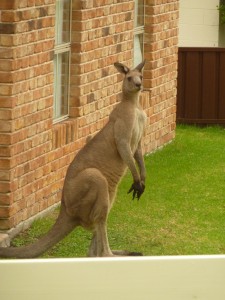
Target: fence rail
201	86
199	277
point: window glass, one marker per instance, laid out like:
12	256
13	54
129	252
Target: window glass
138	32
61	84
62	24
139	13
138	49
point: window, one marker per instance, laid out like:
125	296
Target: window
138	31
62	59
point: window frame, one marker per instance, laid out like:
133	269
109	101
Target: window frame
60	49
139	30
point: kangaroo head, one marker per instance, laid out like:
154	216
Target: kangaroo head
132	82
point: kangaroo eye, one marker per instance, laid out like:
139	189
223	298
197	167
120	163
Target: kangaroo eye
129	79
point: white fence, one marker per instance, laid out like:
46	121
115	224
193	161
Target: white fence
131	278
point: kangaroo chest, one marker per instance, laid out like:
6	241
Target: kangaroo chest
138	128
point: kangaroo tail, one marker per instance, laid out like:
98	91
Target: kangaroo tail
62	227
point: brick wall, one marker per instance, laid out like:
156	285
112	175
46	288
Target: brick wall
161	39
34	152
26	76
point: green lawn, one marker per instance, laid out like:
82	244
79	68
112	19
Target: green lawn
181	212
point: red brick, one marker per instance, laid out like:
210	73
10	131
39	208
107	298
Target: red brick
4	51
6	65
5	126
5	139
6	199
6	4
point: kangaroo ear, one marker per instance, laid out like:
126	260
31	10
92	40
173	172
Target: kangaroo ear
140	66
121	68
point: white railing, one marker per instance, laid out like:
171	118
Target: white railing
132	278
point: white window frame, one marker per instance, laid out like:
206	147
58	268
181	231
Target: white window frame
138	55
61	48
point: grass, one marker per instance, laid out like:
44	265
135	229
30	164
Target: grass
182	211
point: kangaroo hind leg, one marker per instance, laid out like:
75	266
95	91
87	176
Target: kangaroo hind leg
99	245
88	202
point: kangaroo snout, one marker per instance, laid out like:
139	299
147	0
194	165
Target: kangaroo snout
138	85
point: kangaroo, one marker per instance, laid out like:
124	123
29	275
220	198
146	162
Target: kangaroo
93	176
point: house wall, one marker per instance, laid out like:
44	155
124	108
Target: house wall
199	23
35	152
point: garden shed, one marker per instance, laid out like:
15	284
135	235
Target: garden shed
58	86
